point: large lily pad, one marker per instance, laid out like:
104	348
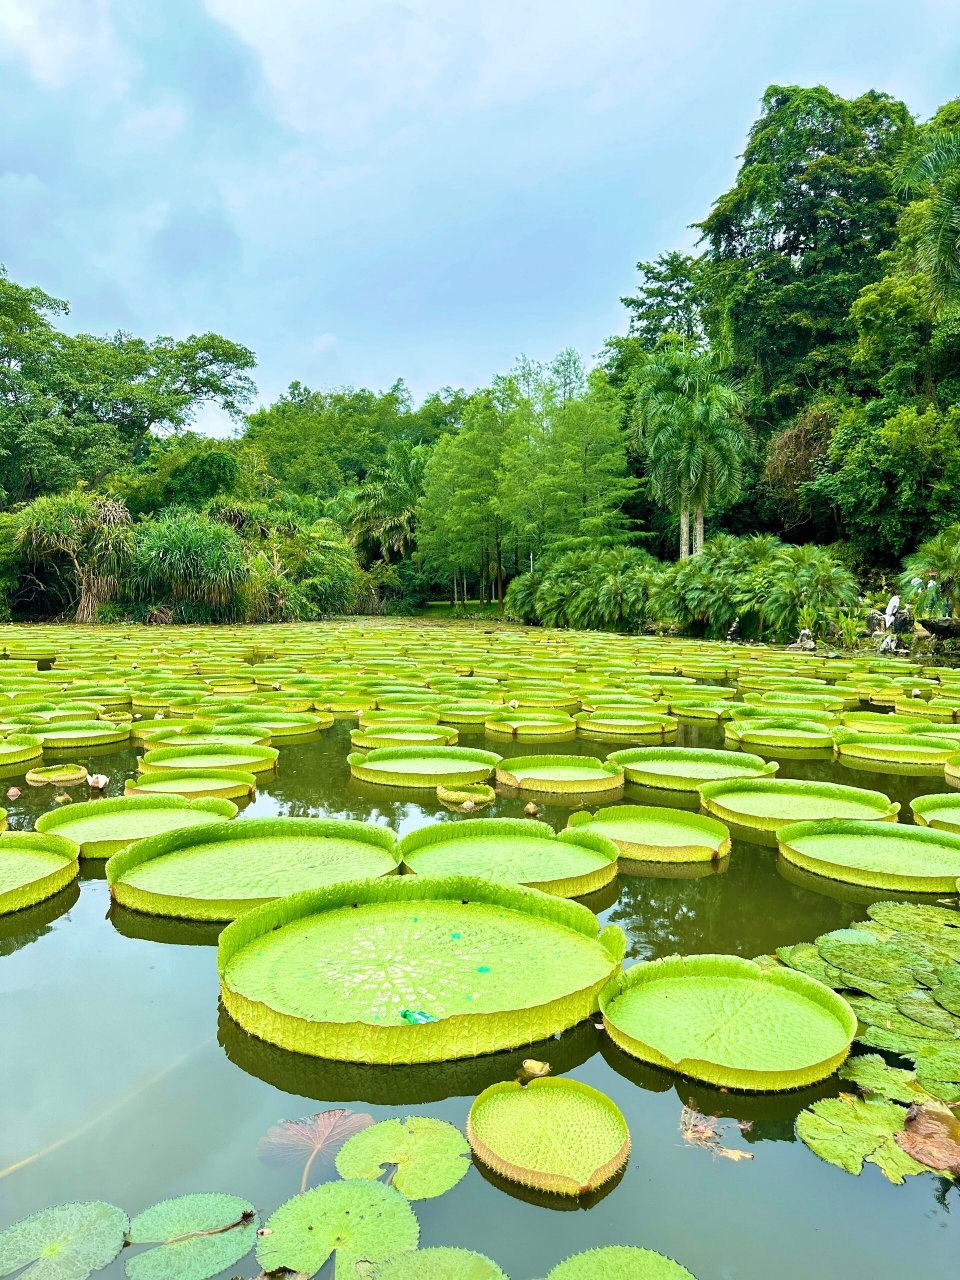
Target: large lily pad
356	1221
181	759
725	1020
194	784
516	850
421	1156
619	1262
687	768
67	1242
570	775
554	1134
474	966
763	805
940	811
103	827
877	854
198	1236
425	767
218	872
647	833
34	867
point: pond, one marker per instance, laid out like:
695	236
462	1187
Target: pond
123	1080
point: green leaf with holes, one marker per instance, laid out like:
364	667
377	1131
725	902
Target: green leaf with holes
420	1156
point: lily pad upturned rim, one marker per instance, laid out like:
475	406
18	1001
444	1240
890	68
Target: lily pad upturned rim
66	774
478	792
185	906
475	766
454	1036
18	748
511	1094
604	775
252	759
846	830
713	795
893	748
50	823
924	806
37	889
714	841
566	886
634	759
694	967
224	784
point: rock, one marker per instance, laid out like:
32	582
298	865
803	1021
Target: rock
804	642
530	810
874	622
942	628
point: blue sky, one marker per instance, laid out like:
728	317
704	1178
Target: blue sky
367	189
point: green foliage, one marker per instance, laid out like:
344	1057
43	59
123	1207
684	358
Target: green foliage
190	564
607	589
938	557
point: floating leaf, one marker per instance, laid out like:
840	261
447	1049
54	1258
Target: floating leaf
892	1041
699	1130
942	1061
948	995
908	917
873	1075
920	1006
881	1013
932	1136
67	1242
424	1157
356	1221
314	1138
619	1262
847	1131
880	961
805	958
199	1236
439	1264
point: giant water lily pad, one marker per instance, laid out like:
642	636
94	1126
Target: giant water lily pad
198	1236
194	784
725	1020
912	753
636	726
849	1131
571	775
103	827
356	1221
553	1134
646	833
422	766
939	811
687	768
34	867
507	723
67	1242
441	1263
619	1262
220	871
410	969
763	805
62	734
19	748
422	1157
404	733
179	759
515	850
878	854
57	775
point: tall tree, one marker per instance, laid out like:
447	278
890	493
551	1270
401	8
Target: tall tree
932	169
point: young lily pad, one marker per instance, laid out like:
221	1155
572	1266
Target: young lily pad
475	965
516	850
554	1134
848	1131
67	1242
356	1221
218	872
619	1262
439	1264
199	1236
425	1157
57	775
103	827
725	1020
648	833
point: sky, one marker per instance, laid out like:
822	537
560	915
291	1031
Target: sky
362	190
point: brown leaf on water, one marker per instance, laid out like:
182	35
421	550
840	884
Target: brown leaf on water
931	1135
311	1139
706	1131
532	1069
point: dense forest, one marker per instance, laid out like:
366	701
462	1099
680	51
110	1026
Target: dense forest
775	437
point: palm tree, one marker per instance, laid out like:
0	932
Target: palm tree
689	419
938	557
384	509
934	171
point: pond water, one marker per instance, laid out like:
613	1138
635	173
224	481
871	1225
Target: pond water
124	1081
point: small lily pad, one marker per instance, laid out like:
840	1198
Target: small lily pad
439	1264
199	1236
619	1262
920	1006
427	1156
849	1131
358	1221
67	1242
873	1074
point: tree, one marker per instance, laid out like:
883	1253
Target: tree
932	168
939	558
194	566
383	510
688	417
86	540
669	300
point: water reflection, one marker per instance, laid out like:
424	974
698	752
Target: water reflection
178	933
20	928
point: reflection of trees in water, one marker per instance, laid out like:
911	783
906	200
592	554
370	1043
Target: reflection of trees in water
23	927
748	910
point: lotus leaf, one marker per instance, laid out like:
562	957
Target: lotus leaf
356	1221
439	1264
727	1021
427	1156
619	1262
848	1131
199	1236
67	1242
554	1134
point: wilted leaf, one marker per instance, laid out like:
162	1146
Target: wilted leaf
704	1131
309	1140
532	1069
932	1136
847	1131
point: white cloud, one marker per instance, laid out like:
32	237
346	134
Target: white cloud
65	40
324	342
